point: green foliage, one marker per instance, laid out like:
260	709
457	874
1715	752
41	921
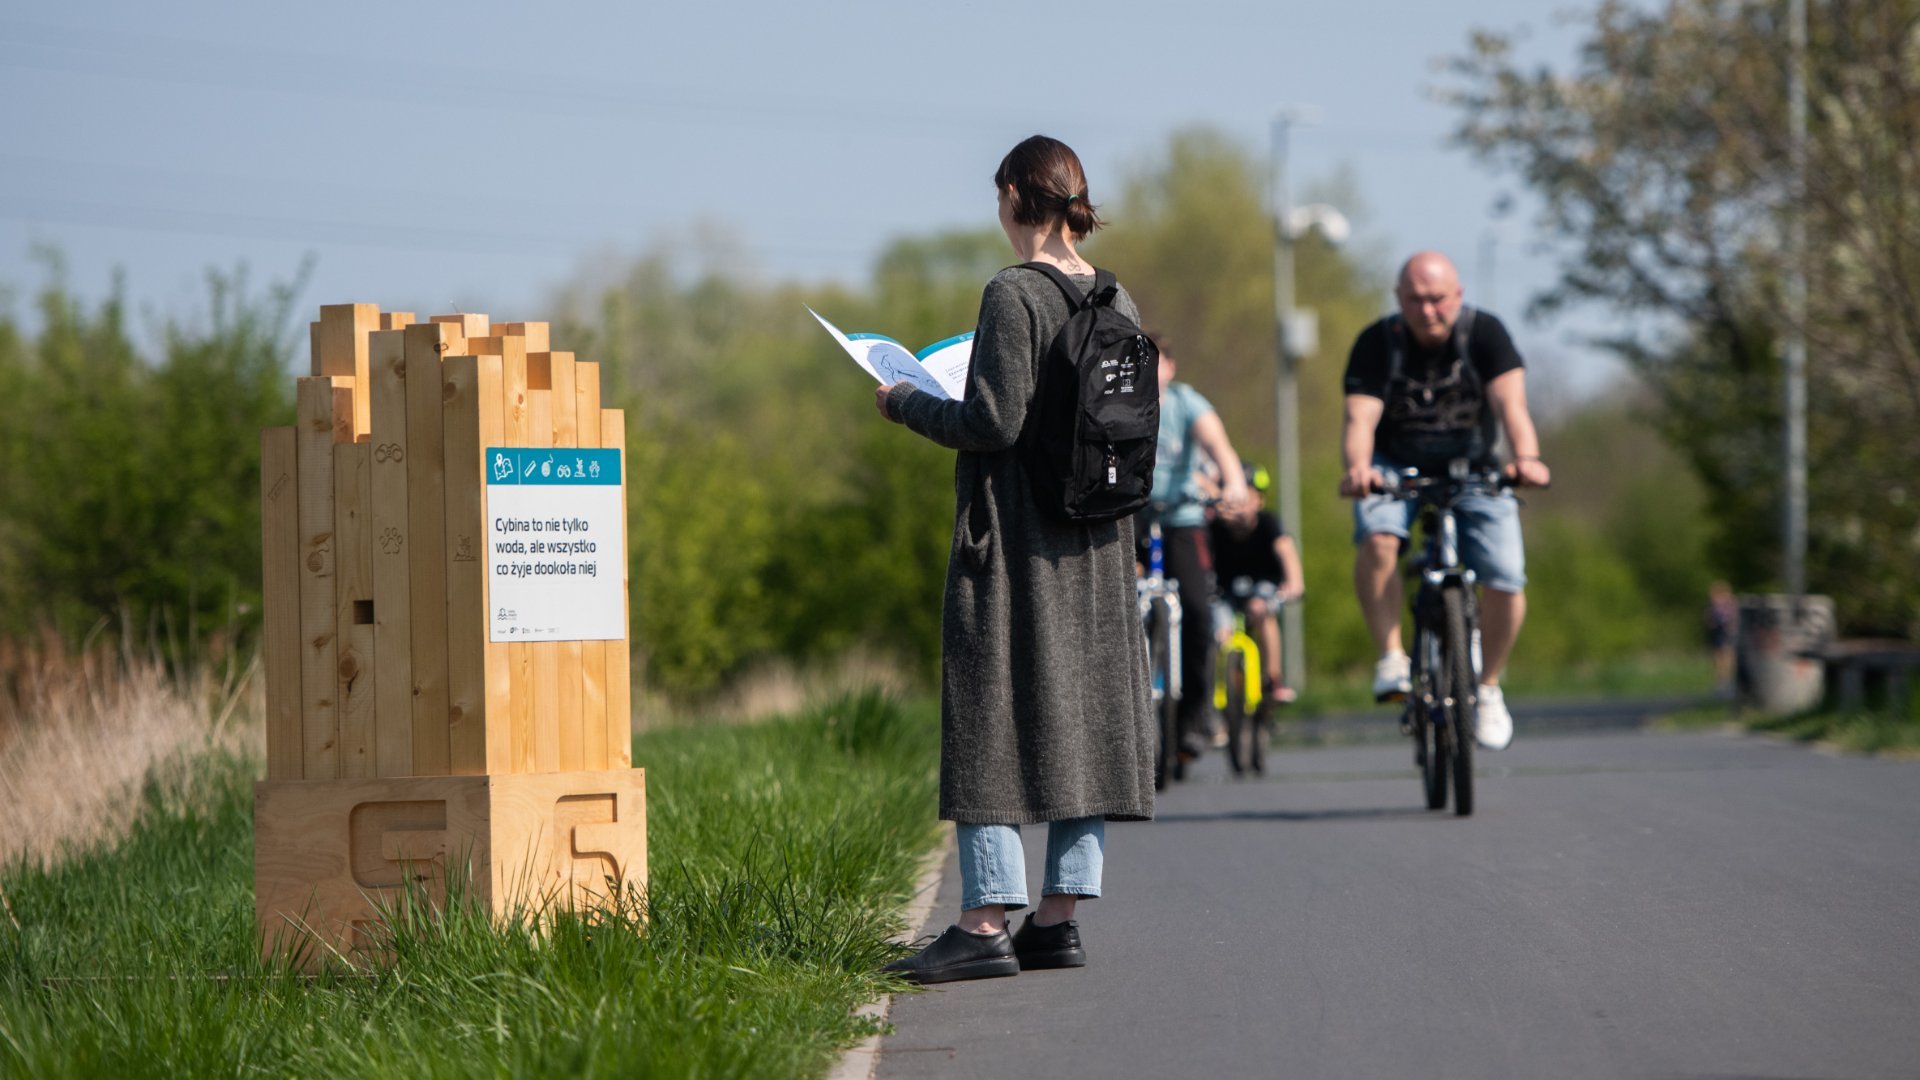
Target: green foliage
779	854
1664	163
133	487
773	514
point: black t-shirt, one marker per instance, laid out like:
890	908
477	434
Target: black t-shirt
1436	410
1249	556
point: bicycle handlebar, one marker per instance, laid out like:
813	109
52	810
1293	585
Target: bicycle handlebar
1412	483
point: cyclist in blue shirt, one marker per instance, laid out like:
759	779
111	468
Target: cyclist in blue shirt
1189	426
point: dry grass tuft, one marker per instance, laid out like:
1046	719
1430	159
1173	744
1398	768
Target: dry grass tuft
777	688
80	732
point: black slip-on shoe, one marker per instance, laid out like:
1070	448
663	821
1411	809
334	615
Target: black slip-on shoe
958	954
1056	946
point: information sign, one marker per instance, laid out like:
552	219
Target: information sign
555	550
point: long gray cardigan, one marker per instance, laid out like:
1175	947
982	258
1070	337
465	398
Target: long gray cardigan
1045	706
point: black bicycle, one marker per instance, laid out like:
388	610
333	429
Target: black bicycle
1446	636
1160	616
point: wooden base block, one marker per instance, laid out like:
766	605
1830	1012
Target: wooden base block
328	853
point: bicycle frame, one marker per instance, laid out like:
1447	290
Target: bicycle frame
1160	617
1238	642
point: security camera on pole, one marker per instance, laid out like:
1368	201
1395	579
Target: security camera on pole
1297	335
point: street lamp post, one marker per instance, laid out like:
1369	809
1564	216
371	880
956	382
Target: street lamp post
1287	395
1795	526
1296	334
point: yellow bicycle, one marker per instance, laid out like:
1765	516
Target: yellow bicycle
1238	683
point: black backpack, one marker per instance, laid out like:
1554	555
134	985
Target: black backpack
1427	424
1094	423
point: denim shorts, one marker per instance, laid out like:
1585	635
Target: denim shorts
1490	541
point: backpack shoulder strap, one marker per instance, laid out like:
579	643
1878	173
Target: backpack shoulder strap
1105	287
1396	349
1463	333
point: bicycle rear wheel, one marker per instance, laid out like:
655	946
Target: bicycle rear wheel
1461	686
1430	729
1259	732
1165	705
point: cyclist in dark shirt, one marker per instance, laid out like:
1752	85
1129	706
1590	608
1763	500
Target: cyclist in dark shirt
1258	568
1427	386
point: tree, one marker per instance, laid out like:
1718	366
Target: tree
1663	163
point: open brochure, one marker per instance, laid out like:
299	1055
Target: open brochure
939	369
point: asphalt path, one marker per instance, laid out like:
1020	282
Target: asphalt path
1621	904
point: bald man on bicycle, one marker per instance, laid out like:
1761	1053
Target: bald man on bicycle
1427	386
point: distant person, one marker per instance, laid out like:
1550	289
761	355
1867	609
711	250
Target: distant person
1457	380
1045	713
1190	432
1259	569
1721	621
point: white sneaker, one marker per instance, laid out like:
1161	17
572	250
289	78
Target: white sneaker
1391	677
1493	724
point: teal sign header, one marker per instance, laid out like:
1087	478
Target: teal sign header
561	466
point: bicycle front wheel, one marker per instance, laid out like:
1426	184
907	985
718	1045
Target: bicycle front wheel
1461	686
1233	674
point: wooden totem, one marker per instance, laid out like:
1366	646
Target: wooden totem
446	648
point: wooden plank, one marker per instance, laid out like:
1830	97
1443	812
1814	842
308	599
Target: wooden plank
353	592
593	654
280	594
324	410
426	343
313	349
392	592
517	430
342	350
570	678
492	345
613	436
478	740
499	672
546	654
397	320
466	325
536	333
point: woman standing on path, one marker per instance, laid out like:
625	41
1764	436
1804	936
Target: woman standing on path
1045	713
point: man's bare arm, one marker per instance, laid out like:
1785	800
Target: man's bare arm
1508	393
1211	434
1356	444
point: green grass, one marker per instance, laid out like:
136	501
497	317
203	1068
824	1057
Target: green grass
1861	732
779	854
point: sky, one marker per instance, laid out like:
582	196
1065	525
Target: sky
431	155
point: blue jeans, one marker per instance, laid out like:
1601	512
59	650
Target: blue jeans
1490	541
993	866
